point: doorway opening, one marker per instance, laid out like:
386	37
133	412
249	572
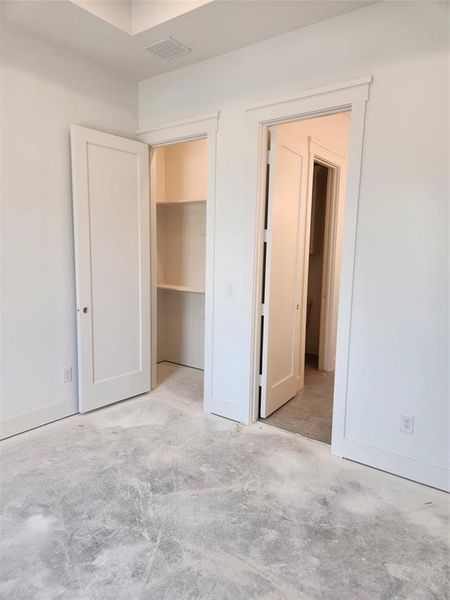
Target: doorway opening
305	194
178	197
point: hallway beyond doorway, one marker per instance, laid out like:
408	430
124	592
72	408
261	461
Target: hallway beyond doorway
310	412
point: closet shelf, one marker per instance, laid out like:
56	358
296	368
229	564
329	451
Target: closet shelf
179	288
183	202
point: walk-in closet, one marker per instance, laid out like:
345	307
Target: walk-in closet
179	190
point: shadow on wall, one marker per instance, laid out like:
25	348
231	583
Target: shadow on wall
58	66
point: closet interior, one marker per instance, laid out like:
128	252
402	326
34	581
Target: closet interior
179	190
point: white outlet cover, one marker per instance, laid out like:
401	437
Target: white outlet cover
407	424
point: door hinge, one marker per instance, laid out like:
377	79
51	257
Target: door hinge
266	235
263	310
269	156
260	380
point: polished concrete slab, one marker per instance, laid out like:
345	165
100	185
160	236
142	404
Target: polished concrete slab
310	412
151	499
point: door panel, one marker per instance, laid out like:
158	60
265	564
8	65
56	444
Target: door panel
281	337
112	252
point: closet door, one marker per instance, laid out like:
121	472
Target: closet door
112	257
282	315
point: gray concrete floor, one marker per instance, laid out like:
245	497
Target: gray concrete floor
151	499
310	412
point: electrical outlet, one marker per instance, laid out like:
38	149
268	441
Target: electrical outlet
407	424
67	374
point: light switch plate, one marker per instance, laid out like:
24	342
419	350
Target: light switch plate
67	374
229	290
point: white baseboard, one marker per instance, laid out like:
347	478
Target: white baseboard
36	418
404	466
196	361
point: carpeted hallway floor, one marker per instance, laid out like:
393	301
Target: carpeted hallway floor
153	499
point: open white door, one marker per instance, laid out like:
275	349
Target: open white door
112	257
282	314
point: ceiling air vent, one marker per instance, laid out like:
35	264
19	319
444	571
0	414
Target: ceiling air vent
168	49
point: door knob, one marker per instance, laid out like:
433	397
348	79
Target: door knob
85	309
297	307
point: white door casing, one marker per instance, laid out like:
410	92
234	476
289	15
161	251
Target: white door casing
337	165
282	301
351	95
348	95
159	134
110	178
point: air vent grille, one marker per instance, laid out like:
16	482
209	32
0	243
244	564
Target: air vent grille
168	49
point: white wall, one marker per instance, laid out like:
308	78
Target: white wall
44	89
145	14
398	348
181	235
115	12
185	174
181	328
332	131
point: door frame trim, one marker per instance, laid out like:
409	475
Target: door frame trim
164	134
336	163
353	96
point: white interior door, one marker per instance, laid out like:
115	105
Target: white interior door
282	314
112	256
